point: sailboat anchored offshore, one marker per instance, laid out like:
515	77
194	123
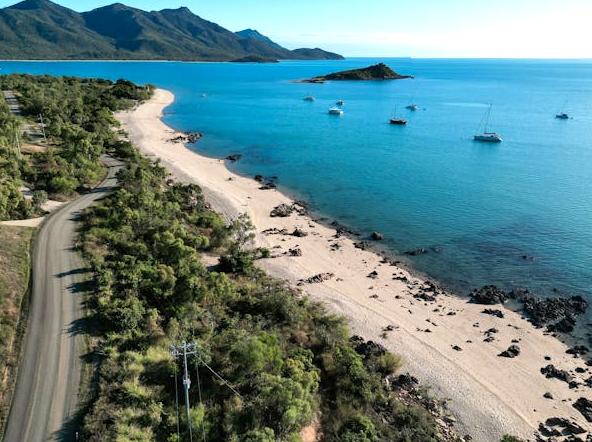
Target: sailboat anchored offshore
486	136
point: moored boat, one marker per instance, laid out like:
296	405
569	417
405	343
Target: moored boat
335	111
396	120
412	107
487	136
340	103
309	98
562	116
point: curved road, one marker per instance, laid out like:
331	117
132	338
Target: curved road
45	399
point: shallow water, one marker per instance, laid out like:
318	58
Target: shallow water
483	207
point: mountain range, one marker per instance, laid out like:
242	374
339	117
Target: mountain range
41	29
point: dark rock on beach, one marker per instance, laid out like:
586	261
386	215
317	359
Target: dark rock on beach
188	138
493	312
377	236
282	211
511	352
558	314
552	372
559	426
489	295
321	277
584	406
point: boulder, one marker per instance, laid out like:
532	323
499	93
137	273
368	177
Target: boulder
511	352
377	236
584	406
489	295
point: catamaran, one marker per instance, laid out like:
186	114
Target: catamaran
486	136
335	111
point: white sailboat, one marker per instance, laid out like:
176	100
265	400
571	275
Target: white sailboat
487	136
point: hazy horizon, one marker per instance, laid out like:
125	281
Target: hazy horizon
425	29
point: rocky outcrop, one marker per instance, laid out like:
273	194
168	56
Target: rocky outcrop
321	277
489	295
558	314
552	372
187	138
584	406
285	210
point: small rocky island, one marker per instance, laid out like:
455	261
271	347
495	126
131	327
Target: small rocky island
378	71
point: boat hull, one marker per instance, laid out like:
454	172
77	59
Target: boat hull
398	122
488	138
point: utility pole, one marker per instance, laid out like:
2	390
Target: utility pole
185	349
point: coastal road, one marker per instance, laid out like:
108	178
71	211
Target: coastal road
45	399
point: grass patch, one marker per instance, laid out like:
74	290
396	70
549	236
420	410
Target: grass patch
15	261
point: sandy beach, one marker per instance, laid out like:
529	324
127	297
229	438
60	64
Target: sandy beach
441	341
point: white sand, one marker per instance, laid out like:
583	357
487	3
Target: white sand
490	395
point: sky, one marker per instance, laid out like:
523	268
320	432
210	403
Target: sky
417	28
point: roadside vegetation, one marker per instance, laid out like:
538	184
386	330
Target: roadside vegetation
15	259
78	117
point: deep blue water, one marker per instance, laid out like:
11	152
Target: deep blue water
424	185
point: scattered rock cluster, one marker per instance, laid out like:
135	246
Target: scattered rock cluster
285	210
187	138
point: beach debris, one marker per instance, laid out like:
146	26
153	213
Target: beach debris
584	406
552	372
511	352
493	312
376	236
488	295
321	277
417	252
234	157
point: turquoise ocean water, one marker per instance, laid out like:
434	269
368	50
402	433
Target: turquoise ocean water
482	207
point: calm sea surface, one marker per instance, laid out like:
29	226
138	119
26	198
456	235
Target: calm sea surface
482	207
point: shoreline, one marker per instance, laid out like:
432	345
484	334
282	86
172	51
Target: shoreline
490	395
